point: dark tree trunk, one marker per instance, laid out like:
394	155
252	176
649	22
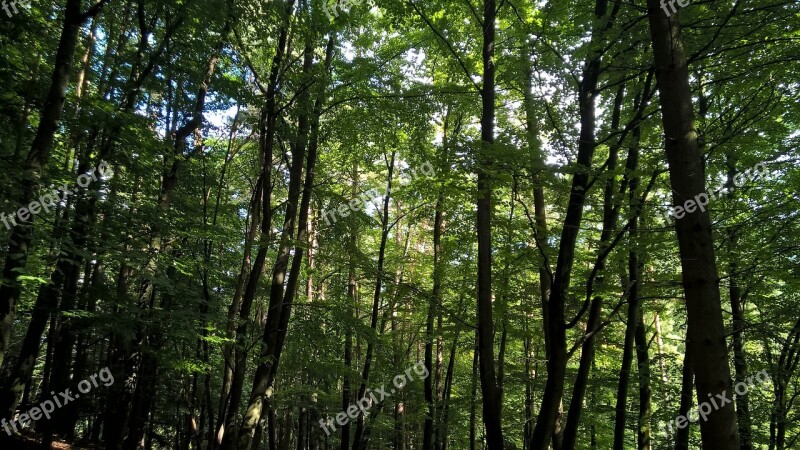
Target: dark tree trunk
488	377
352	304
706	345
687	384
38	156
634	274
610	218
555	333
359	434
280	301
442	431
645	393
472	399
134	405
738	324
786	367
269	117
432	423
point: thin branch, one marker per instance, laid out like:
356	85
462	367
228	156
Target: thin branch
449	46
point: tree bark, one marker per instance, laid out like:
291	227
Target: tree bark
556	328
645	393
687	383
269	117
634	278
38	156
706	345
262	386
738	324
610	218
358	436
488	377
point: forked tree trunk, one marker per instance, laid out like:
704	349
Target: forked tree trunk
634	278
267	130
555	333
610	218
262	381
308	125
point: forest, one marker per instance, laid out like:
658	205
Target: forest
399	224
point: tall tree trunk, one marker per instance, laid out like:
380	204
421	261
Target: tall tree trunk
738	324
352	307
38	156
134	405
634	277
228	350
472	399
645	393
540	237
431	429
786	366
306	126
687	397
489	388
442	430
358	436
280	301
706	345
267	126
610	218
556	328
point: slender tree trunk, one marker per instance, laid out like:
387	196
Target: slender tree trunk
234	308
135	406
280	302
610	218
489	388
432	425
352	304
540	237
645	393
267	125
660	342
442	430
306	126
738	324
359	431
634	278
473	396
787	364
428	432
687	384
546	422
